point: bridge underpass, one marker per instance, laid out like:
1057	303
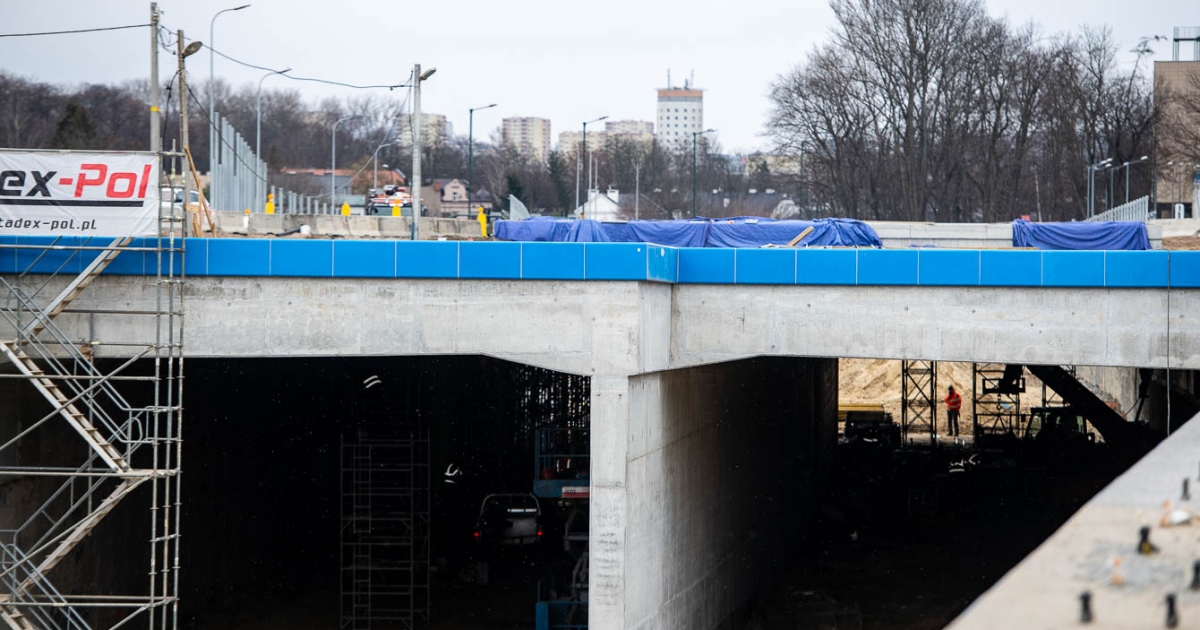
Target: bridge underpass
630	338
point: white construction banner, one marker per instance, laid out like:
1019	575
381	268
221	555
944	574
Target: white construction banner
46	193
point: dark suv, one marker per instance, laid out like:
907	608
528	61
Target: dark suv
509	519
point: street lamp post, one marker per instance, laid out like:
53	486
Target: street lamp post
471	148
1126	167
333	161
695	134
259	186
579	159
1091	185
213	132
414	188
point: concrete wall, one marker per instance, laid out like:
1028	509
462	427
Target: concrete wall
963	235
720	462
1106	327
564	325
355	226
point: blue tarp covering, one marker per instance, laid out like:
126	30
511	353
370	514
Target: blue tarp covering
1100	235
732	232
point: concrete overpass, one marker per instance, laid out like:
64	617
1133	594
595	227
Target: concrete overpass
680	346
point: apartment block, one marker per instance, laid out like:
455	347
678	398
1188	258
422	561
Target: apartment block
530	136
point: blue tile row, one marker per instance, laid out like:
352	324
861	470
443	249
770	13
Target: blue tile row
47	254
910	267
431	259
623	261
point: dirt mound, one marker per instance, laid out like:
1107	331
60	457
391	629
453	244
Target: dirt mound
877	381
1181	242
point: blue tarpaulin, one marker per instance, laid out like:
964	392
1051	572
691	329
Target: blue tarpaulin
1109	235
732	232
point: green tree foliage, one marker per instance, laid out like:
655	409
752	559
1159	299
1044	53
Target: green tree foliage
75	130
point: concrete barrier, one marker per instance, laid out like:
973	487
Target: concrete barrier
905	234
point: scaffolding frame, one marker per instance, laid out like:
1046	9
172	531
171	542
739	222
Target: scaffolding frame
386	503
996	390
125	408
1051	398
918	403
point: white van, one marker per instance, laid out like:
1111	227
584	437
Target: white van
172	197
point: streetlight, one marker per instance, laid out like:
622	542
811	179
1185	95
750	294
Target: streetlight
375	179
1091	184
258	197
694	135
471	148
414	187
212	130
579	159
1126	167
333	160
184	53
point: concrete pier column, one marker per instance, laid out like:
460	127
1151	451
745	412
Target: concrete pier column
702	478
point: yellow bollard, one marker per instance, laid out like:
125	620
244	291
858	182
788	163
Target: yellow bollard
395	207
345	208
482	218
270	207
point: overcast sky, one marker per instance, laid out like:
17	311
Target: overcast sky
565	60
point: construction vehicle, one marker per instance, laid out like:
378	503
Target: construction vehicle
1056	423
870	426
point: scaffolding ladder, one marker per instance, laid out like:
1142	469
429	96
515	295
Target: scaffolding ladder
918	410
123	406
385	523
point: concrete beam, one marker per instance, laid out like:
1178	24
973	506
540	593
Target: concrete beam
1104	327
1043	590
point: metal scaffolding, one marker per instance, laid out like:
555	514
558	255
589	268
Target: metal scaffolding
1051	398
113	379
385	515
918	411
996	398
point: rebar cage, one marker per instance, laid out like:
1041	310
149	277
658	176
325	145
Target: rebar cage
93	477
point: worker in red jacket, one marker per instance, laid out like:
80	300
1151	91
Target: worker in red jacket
953	404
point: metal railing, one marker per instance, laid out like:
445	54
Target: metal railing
1136	210
240	179
114	375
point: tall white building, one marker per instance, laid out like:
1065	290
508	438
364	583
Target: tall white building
530	136
435	130
680	113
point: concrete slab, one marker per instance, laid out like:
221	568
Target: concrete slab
1043	590
266	224
1177	227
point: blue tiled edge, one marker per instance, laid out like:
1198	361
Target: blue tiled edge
1136	269
826	266
616	261
552	261
764	266
1072	269
196	261
631	261
364	259
239	257
1014	268
302	258
8	255
887	266
706	266
1185	269
426	259
948	267
663	264
489	260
